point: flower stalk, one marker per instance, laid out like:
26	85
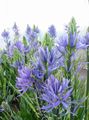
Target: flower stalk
69	78
87	88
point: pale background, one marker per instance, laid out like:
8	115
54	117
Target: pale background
43	13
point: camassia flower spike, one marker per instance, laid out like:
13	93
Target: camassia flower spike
56	93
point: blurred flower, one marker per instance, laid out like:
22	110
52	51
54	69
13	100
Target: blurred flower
36	30
82	43
26	49
1	109
48	57
31	34
52	31
25	80
62	43
5	34
47	62
18	45
44	54
39	70
10	50
72	40
18	64
21	47
56	93
15	29
87	38
28	30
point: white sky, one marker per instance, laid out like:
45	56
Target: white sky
43	13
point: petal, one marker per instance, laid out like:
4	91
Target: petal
47	108
56	104
67	94
65	105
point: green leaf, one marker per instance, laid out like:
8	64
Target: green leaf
48	41
24	41
29	102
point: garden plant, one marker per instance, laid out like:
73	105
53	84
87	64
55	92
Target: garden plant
40	75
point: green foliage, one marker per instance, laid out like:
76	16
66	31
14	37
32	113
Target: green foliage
47	41
24	41
27	106
73	26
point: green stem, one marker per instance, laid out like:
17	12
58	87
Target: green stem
69	78
25	59
4	87
87	88
6	115
27	99
75	82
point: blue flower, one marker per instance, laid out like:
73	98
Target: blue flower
86	40
18	64
62	43
31	34
26	49
5	34
18	45
28	30
48	57
24	81
10	50
44	54
36	30
81	43
1	109
15	29
21	47
56	93
39	70
72	40
52	31
47	61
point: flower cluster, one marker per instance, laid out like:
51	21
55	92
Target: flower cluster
56	93
25	80
47	62
52	31
73	41
5	34
16	30
32	33
46	67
